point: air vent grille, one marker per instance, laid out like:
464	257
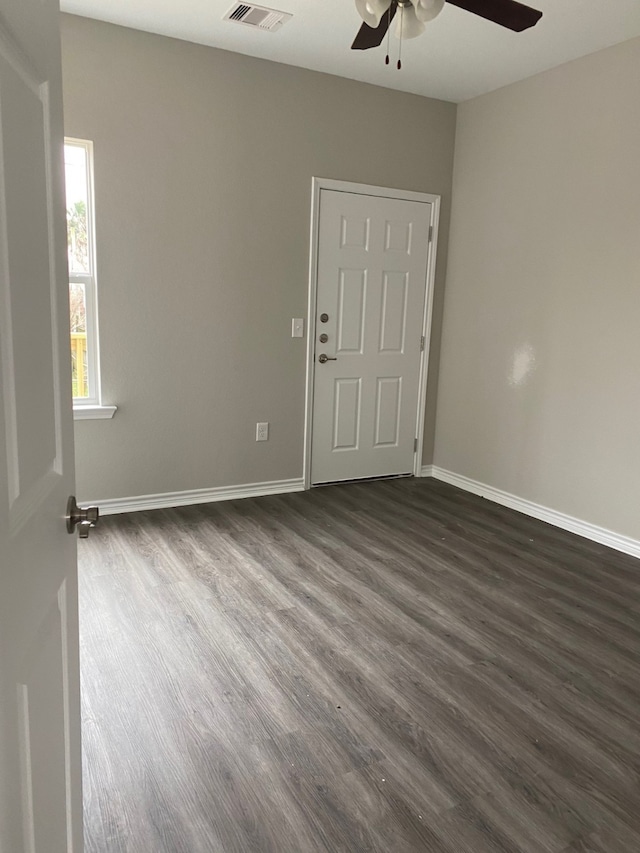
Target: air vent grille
239	12
258	17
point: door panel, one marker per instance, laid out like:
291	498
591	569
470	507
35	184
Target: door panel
352	298
32	449
41	685
346	414
40	781
372	269
397	236
354	232
388	408
393	314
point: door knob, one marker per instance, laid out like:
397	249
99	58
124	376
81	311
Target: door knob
85	517
323	358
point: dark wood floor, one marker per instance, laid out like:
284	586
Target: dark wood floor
392	667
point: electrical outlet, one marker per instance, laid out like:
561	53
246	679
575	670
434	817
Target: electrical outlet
262	432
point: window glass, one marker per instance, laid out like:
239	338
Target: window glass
76	173
78	165
79	365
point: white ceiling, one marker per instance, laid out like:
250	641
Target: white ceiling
458	57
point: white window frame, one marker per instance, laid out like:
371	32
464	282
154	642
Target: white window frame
90	406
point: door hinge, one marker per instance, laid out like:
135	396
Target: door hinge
430	233
422	343
415	445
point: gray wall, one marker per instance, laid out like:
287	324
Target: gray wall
203	167
540	362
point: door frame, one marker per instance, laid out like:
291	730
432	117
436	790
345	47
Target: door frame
317	185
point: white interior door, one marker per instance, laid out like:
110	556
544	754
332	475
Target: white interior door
372	271
40	781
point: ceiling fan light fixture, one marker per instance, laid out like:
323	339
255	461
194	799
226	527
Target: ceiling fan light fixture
407	25
427	10
371	11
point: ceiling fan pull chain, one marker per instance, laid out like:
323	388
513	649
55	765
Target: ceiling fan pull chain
399	66
386	59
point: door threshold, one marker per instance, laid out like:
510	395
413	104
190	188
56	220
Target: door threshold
362	480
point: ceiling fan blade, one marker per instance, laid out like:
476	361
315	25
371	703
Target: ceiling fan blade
368	36
507	13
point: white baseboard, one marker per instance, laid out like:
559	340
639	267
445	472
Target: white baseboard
567	522
166	500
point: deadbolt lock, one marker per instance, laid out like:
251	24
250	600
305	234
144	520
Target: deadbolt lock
323	338
324	318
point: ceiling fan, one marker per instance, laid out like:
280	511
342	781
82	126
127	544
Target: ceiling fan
413	14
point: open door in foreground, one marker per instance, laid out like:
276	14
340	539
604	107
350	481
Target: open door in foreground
40	768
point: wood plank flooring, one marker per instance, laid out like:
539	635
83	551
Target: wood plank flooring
385	667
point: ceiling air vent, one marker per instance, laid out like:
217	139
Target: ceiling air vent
257	16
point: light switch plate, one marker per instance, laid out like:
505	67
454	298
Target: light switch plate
297	327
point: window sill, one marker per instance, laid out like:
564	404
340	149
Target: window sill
92	413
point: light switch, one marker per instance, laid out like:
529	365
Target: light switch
297	327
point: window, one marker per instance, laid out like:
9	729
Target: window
78	165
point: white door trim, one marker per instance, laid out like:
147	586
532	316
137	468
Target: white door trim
317	185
